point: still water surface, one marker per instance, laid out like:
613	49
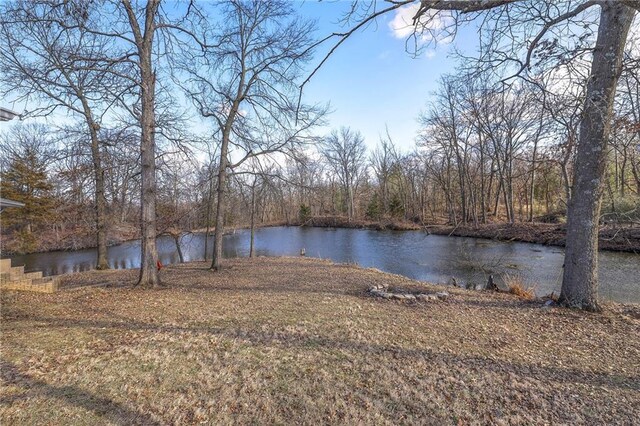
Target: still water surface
414	254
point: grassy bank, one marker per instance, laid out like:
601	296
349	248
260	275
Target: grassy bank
76	238
300	341
333	222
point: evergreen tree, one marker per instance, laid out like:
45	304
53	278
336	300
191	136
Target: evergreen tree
373	208
304	214
25	180
395	207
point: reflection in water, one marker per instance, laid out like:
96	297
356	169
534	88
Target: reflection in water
414	254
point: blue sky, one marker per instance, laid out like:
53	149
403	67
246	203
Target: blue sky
371	81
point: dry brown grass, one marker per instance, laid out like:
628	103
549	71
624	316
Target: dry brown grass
517	287
299	341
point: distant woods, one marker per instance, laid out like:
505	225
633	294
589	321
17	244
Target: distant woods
483	157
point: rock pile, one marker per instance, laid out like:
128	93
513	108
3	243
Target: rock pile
384	292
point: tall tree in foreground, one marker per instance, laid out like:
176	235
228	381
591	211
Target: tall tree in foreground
580	280
143	23
149	36
510	27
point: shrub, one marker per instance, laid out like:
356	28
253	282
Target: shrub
516	286
373	208
395	207
304	214
621	209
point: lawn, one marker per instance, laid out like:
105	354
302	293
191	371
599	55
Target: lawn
294	340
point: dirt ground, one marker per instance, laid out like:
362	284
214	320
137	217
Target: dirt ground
294	340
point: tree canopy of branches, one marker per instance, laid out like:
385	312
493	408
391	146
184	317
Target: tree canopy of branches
245	82
48	55
346	155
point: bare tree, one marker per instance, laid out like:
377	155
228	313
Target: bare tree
382	162
244	83
143	25
48	55
346	155
536	24
143	36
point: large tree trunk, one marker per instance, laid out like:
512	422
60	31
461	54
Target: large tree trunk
149	276
101	202
222	181
580	281
209	203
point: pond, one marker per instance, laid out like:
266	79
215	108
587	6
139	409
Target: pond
415	254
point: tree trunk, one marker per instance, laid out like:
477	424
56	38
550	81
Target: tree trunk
580	280
176	239
222	181
253	217
149	276
208	218
636	175
532	187
101	202
623	172
482	201
219	229
566	183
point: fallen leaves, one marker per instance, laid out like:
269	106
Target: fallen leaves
294	340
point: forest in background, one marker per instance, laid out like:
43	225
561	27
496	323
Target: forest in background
482	157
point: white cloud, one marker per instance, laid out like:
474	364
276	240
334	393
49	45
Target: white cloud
402	23
431	27
430	53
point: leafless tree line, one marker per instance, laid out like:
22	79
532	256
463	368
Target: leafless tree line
114	61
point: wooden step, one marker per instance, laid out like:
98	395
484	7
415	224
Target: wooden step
17	275
5	265
16	270
23	284
47	284
33	275
39	284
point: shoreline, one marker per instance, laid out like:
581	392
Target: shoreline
229	264
625	240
